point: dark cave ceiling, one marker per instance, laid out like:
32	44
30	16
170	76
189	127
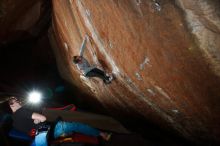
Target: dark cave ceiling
26	58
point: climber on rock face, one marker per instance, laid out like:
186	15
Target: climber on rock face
88	70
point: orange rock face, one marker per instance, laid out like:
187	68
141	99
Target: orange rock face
162	59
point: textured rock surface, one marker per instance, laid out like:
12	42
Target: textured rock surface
164	55
203	19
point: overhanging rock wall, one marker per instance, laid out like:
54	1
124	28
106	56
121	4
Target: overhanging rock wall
164	56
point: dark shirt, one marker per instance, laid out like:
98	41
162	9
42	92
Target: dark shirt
22	120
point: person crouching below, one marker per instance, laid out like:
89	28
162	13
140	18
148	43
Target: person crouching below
24	120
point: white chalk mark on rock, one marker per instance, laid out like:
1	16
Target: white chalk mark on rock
162	92
138	76
88	12
66	46
146	62
151	92
156	5
138	2
175	111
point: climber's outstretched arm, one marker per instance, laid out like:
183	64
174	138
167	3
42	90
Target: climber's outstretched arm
83	45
